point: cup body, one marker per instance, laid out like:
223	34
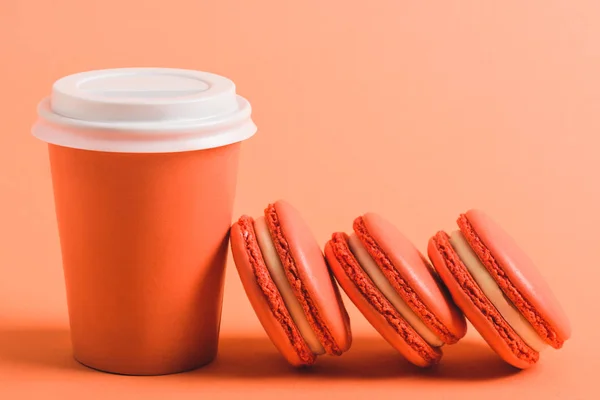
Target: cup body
144	240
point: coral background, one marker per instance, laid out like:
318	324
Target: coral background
415	110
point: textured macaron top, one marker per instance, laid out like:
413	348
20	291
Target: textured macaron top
309	276
411	275
516	275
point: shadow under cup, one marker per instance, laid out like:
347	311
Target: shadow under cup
144	240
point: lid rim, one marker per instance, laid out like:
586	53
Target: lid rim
243	111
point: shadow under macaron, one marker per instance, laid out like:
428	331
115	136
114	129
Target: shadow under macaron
370	358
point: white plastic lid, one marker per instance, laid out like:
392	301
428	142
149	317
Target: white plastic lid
143	110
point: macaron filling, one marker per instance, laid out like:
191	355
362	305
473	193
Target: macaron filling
277	273
370	267
494	293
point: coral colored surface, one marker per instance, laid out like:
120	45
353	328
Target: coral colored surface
414	110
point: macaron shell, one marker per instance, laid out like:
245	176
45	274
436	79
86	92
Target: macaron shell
480	311
519	278
421	290
265	298
387	321
315	280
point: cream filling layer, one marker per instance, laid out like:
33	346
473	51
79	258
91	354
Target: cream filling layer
385	287
267	248
493	292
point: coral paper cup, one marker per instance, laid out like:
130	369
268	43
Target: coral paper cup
144	164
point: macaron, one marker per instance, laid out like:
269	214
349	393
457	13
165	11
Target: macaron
289	286
395	288
499	289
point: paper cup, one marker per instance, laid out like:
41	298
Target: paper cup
144	165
